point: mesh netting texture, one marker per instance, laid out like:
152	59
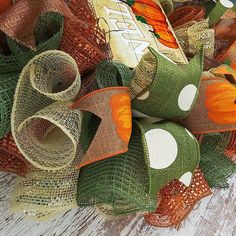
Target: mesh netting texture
44	193
177	200
11	160
45	129
7	88
48	33
121	182
215	165
85	43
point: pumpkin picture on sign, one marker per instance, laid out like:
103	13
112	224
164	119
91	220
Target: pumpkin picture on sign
150	13
221	103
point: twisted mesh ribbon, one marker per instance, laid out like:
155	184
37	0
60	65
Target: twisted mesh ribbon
177	201
85	43
11	160
48	33
120	182
46	122
42	127
42	193
194	34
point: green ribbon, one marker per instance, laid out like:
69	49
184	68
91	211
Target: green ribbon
221	7
170	85
112	74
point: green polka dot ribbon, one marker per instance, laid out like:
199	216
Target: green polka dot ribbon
158	153
169	90
221	7
171	152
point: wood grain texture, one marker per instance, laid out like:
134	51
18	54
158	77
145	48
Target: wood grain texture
215	215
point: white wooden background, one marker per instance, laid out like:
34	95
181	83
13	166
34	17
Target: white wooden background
215	215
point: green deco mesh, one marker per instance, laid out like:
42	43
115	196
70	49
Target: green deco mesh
48	34
217	168
119	183
7	88
112	74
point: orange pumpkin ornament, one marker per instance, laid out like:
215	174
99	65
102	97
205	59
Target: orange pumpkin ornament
221	103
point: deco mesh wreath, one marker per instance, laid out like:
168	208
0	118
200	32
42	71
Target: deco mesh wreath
92	114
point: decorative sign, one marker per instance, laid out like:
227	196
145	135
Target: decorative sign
135	26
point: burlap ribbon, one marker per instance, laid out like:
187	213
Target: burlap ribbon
218	11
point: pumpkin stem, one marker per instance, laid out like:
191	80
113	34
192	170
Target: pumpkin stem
128	2
157	35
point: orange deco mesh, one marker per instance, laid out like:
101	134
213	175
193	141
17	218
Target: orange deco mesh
11	160
87	45
230	150
177	200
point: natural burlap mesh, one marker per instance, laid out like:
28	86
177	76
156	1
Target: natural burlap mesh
47	132
112	74
44	193
85	43
177	201
216	167
11	160
7	88
120	182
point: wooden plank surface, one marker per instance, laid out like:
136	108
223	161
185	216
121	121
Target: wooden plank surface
215	215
